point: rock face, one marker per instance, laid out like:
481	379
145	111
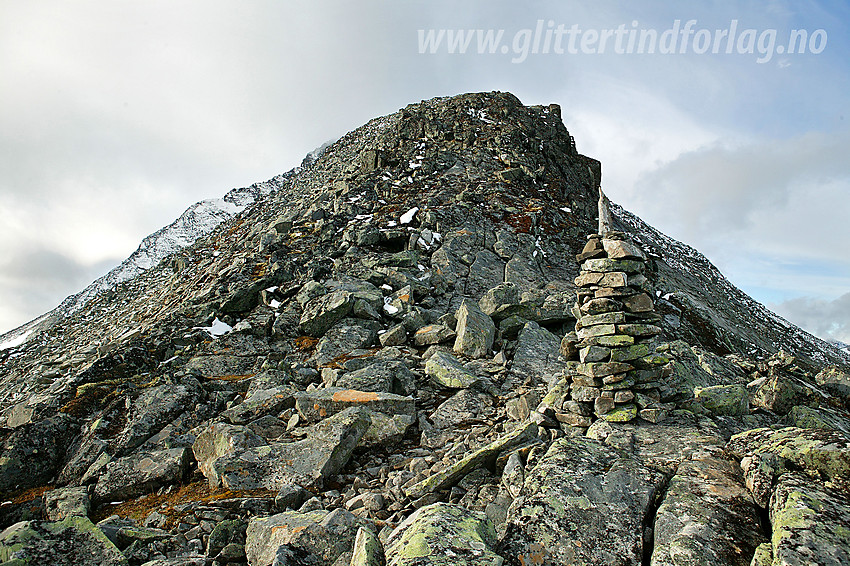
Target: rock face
408	352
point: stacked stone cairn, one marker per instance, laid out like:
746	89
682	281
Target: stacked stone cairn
614	375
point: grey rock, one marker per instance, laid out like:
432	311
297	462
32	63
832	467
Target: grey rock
321	313
809	523
583	503
433	334
320	403
395	336
390	376
443	534
260	403
836	381
368	550
67	502
33	452
465	407
536	355
307	462
320	535
724	399
447	371
475	331
345	336
221	439
74	541
498	299
707	517
141	473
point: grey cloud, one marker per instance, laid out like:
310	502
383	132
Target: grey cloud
34	280
828	319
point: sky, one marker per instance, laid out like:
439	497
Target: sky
115	116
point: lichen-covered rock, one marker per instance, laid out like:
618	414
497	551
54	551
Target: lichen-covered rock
325	450
780	393
33	452
498	301
391	376
836	381
475	331
74	541
443	534
824	418
433	334
221	439
319	537
814	451
454	473
731	400
260	403
320	403
708	517
67	502
368	550
447	371
811	525
583	503
141	473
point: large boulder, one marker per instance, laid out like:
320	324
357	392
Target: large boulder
320	403
475	331
536	355
222	439
74	541
707	517
447	371
141	473
316	537
583	503
321	313
323	453
443	534
33	453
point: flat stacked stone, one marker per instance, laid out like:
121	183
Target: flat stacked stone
616	377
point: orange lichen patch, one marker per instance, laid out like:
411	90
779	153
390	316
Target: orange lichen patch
26	495
305	343
321	410
231	377
285	528
463	232
258	271
536	555
165	503
354	396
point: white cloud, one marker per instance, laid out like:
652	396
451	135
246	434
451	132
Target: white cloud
824	318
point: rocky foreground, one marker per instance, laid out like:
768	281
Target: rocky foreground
412	354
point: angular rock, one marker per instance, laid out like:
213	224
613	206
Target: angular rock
536	354
33	452
594	354
604	265
816	452
368	550
622	249
154	408
498	298
67	502
602	369
395	336
447	371
386	430
323	312
345	336
621	414
141	473
596	330
316	537
325	450
629	353
780	393
475	331
731	400
583	503
74	541
433	334
638	303
390	376
452	474
810	524
600	305
261	403
320	403
221	439
602	318
836	381
707	517
443	534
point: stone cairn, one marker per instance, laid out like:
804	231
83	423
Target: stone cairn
614	375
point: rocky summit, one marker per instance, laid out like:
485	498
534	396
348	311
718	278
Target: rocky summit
435	342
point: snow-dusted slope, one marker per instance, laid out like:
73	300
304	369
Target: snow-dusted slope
197	221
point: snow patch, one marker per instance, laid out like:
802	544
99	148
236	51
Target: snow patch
216	329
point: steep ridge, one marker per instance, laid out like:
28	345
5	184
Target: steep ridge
380	360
